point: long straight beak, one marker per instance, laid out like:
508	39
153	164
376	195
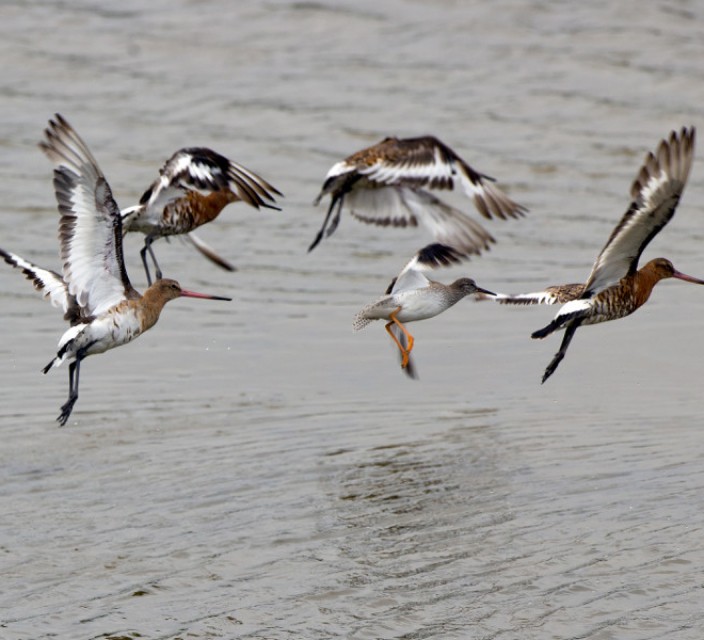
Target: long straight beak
491	293
686	278
192	294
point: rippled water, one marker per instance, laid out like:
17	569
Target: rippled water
255	469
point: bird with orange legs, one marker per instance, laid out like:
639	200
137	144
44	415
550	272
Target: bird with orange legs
412	296
193	187
616	287
390	184
94	292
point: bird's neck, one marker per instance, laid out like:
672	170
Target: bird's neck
455	294
644	281
150	306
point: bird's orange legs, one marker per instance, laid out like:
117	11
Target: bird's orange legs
404	352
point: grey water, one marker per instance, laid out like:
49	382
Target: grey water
255	469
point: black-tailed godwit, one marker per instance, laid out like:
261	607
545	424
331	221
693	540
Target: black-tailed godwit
616	287
193	187
94	292
388	184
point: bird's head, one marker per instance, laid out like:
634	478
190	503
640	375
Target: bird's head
662	268
467	286
167	289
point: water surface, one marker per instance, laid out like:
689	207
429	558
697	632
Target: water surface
255	469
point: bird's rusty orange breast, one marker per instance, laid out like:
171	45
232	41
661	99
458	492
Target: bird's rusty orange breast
623	298
207	208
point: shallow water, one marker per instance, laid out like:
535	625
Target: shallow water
255	469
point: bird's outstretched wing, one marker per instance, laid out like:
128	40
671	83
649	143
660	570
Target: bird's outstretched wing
655	195
406	207
427	162
90	228
49	283
387	184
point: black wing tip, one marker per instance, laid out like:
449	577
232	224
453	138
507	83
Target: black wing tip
685	133
439	254
520	210
685	136
273	207
272	188
673	154
55	127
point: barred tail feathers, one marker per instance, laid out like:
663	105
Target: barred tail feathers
360	321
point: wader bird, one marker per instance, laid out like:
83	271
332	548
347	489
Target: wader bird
193	187
616	287
94	292
412	296
389	183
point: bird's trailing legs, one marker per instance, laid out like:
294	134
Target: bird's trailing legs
566	339
407	351
74	370
148	248
410	369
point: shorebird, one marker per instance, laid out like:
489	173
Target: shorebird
616	287
387	184
94	292
193	187
412	296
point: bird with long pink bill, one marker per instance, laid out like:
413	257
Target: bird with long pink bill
616	287
93	291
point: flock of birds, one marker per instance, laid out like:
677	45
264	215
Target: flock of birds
390	183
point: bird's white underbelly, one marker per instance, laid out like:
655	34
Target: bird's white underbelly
421	312
415	305
104	333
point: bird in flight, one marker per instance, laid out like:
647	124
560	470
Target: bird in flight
616	287
390	184
94	292
413	296
193	187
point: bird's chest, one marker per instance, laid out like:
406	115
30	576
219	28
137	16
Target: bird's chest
615	302
180	216
112	330
419	305
193	210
